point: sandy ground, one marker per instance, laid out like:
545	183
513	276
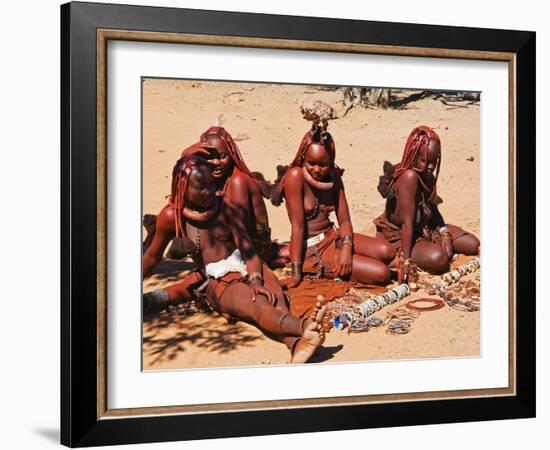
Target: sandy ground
266	121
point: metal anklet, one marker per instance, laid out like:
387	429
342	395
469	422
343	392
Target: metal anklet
155	300
281	320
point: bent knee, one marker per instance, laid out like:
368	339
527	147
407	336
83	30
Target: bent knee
379	274
467	245
387	252
435	262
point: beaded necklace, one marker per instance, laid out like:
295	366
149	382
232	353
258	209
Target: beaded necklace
315	211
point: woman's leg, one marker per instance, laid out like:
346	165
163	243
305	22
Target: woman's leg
183	291
377	248
430	257
237	302
467	244
272	283
365	269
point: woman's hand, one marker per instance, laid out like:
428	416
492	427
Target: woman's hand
257	288
343	268
291	282
447	245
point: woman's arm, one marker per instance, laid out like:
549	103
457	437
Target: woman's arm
194	149
446	237
294	200
342	212
235	218
344	264
165	232
437	218
406	202
242	192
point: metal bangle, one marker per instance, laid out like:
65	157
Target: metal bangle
256	275
347	239
297	268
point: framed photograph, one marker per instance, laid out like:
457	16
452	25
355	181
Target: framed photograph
279	224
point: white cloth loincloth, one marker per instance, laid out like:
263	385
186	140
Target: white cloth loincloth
233	263
315	240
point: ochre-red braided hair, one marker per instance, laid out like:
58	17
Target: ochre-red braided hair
418	141
316	135
180	182
232	149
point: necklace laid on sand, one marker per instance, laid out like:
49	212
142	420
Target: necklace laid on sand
348	312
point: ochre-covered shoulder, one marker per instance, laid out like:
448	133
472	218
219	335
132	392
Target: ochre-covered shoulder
295	172
240	179
239	187
166	219
295	175
409	178
294	179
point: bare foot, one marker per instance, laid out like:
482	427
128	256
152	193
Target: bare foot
312	338
317	314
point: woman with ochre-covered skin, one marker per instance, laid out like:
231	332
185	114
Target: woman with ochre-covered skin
235	181
238	183
239	285
313	188
412	221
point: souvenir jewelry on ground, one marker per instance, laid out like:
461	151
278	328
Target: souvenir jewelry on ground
457	294
354	309
464	296
400	320
434	285
413	276
432	304
348	312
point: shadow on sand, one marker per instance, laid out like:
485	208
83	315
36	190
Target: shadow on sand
325	354
196	331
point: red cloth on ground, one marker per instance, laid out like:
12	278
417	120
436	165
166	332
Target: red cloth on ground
303	298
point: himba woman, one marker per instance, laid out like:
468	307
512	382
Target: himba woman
412	221
235	181
239	285
313	188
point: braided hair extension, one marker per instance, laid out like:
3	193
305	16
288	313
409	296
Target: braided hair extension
418	141
180	180
317	135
